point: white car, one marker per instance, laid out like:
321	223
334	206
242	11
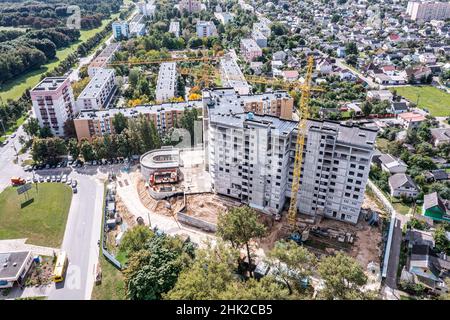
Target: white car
64	178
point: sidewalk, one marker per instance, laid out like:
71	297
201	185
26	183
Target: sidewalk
16	292
20	245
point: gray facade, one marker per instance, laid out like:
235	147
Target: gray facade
251	158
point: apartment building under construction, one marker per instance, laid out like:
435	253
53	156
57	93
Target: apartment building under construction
250	156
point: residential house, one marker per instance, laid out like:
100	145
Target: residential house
392	165
436	175
382	95
410	120
435	207
440	136
324	66
402	184
398	107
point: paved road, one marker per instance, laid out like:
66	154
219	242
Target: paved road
394	256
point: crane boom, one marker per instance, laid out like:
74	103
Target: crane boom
300	143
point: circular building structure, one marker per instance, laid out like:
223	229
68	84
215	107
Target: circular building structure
161	165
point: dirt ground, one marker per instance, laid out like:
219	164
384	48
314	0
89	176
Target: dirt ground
367	239
207	206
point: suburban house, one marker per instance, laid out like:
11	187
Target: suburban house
398	107
324	66
402	184
429	268
290	75
382	95
391	164
410	120
436	175
416	236
436	208
440	136
14	267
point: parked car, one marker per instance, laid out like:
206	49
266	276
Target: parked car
94	163
27	168
74	190
29	180
48	178
74	183
47	166
69	182
35	180
58	178
41	179
53	179
64	178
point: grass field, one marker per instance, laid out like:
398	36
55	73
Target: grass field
43	221
15	88
436	101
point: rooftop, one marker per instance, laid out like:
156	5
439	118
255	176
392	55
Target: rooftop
94	86
49	84
11	263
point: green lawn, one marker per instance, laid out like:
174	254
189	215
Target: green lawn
43	221
436	101
15	88
11	130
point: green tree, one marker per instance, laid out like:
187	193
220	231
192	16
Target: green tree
343	278
133	77
367	108
442	244
86	150
154	270
239	226
31	127
73	148
135	239
292	263
120	122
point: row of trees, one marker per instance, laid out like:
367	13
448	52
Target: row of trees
161	266
32	49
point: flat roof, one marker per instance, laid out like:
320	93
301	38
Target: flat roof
161	158
142	109
92	90
14	262
49	84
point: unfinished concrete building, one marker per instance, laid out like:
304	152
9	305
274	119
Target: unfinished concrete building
250	156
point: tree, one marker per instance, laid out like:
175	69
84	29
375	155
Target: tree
133	77
69	129
45	132
343	278
239	226
208	277
31	127
265	289
73	148
86	150
154	270
351	48
120	122
135	239
367	108
442	244
292	263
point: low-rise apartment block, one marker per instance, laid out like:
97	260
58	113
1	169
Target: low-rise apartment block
174	28
102	60
231	74
191	6
121	30
250	49
251	157
167	77
53	103
206	29
92	123
147	9
99	91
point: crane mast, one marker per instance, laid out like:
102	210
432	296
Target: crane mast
300	143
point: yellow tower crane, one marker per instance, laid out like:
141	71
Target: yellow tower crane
300	144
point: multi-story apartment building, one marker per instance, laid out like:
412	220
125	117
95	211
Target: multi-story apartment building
147	9
231	74
101	61
428	10
251	158
224	17
121	30
99	91
137	26
250	49
165	116
206	29
260	38
263	28
191	6
53	103
174	28
167	77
